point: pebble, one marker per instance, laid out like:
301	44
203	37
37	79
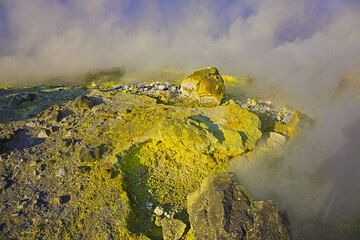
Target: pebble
277	137
149	205
283	115
159	211
42	134
64	199
154	88
61	172
31	124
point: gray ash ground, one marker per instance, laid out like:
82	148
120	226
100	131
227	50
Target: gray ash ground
150	89
276	113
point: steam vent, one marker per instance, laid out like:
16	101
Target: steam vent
107	160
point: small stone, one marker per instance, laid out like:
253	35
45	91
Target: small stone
19	206
23	203
55	201
157	221
64	199
149	205
31	124
43	167
159	211
69	134
54	128
83	102
278	138
172	229
62	115
87	155
61	172
167	215
84	169
162	87
43	134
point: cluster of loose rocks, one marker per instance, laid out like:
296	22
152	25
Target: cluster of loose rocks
283	114
151	89
204	86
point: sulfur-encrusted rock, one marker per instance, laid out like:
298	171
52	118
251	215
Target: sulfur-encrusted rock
87	154
289	128
234	120
276	138
83	102
204	85
222	210
172	229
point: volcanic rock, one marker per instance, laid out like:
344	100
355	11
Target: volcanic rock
84	102
204	85
172	229
43	134
159	211
276	138
87	154
221	209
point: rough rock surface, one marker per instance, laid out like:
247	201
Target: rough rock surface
172	229
110	157
221	209
204	85
276	138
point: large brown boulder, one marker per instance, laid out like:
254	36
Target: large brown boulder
204	85
221	209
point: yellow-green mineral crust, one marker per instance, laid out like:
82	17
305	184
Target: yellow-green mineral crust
204	85
110	158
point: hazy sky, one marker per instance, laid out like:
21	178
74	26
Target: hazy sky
289	43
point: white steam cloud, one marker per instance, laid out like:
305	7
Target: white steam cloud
296	45
303	48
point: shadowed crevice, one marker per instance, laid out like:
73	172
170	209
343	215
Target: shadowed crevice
212	127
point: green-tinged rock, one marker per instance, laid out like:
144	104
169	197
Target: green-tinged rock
204	85
161	174
164	152
185	135
172	229
83	102
289	129
233	117
276	139
87	154
221	209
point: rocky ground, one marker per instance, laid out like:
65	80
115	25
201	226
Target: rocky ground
127	162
